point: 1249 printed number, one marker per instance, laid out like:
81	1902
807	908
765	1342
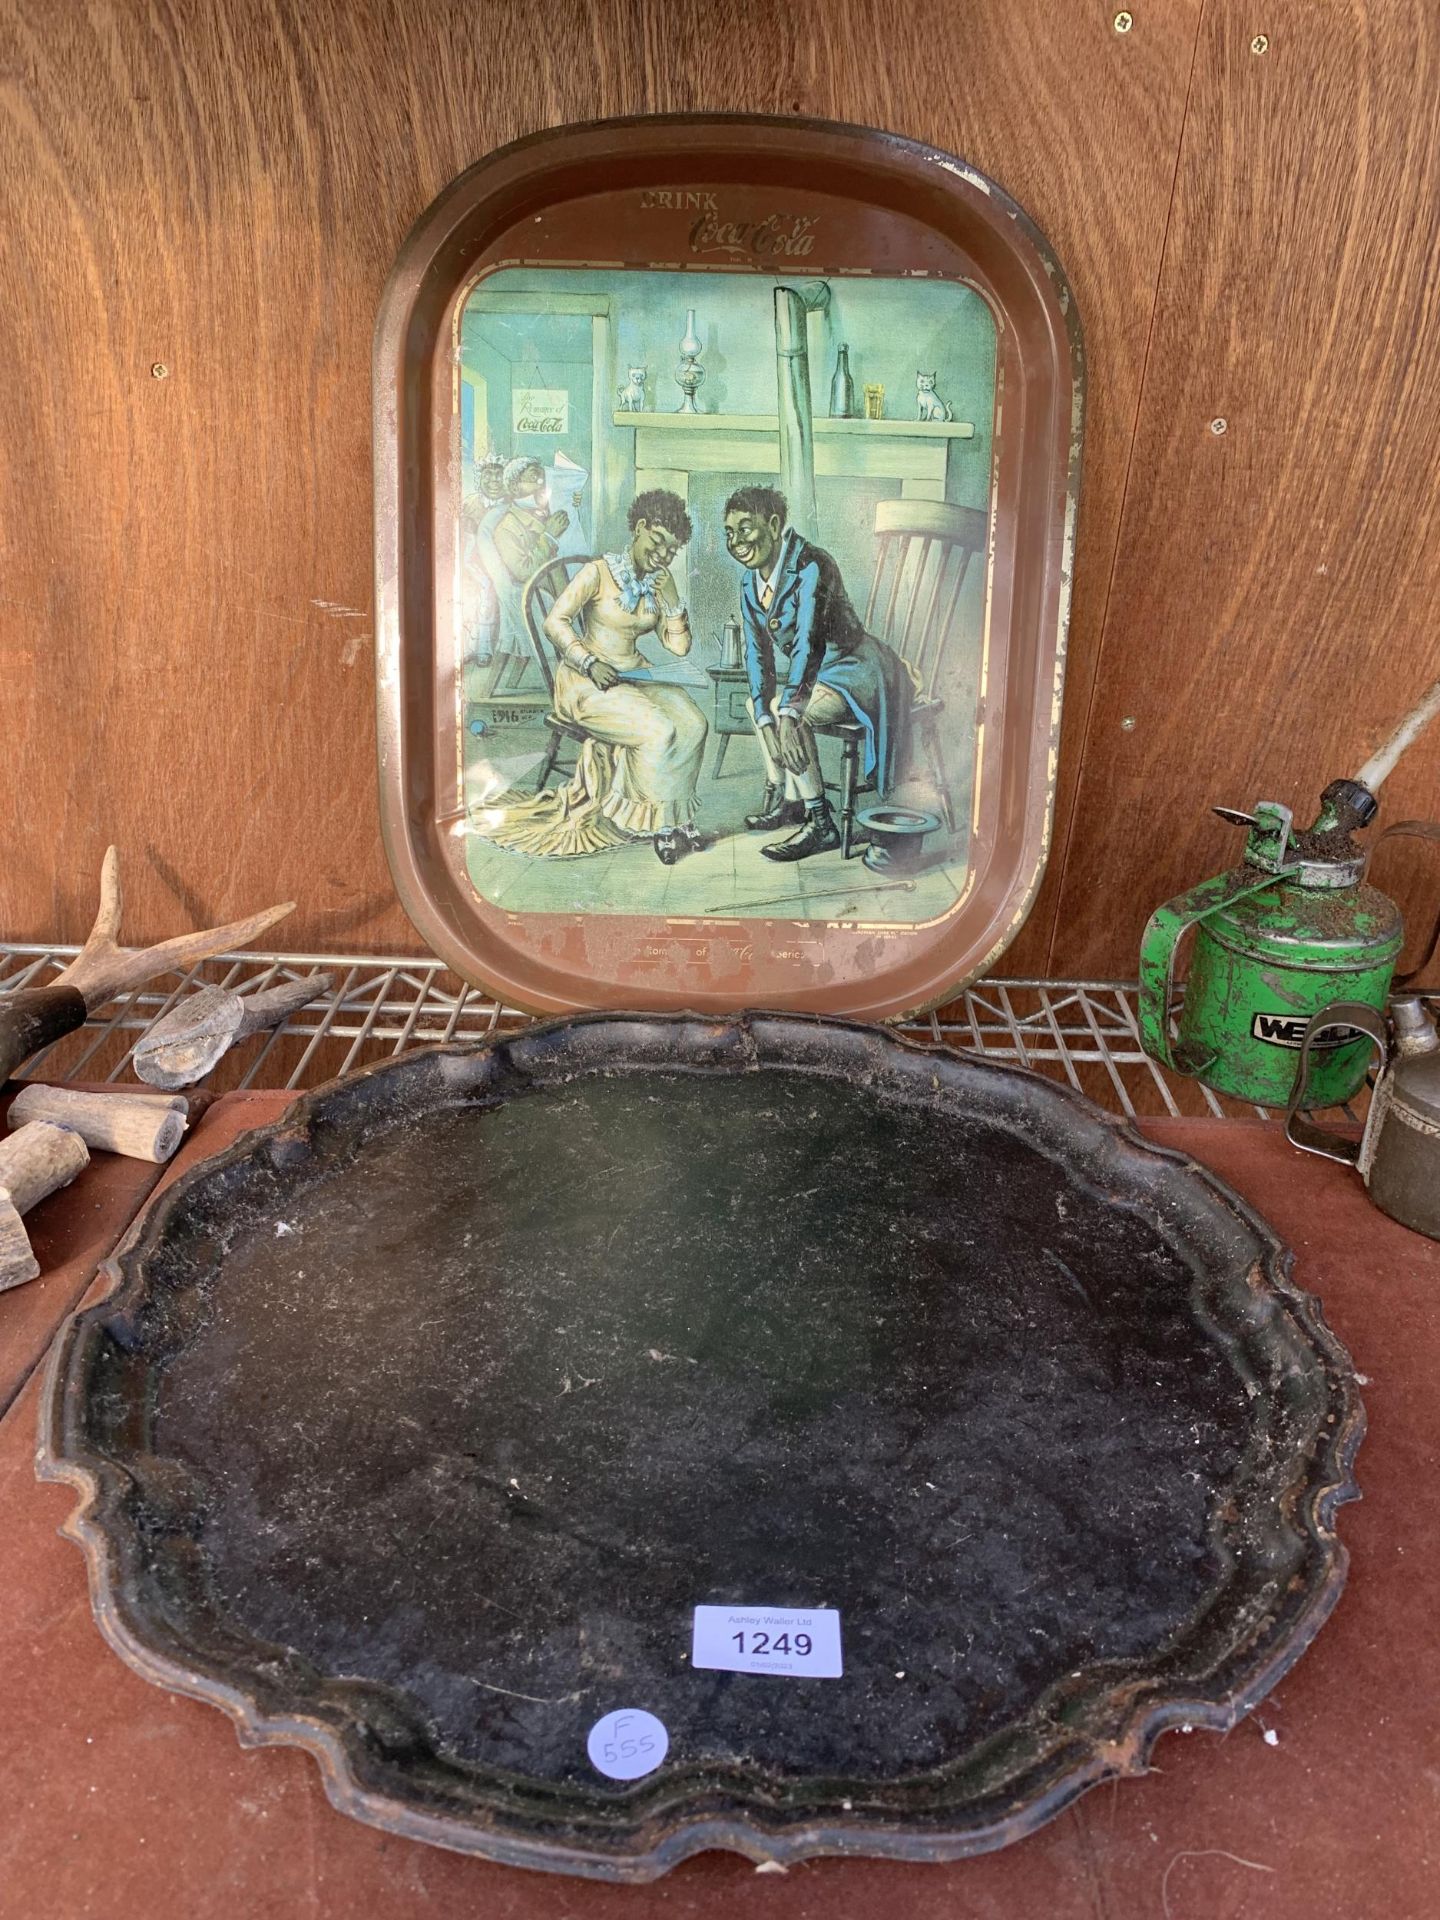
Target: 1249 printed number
780	1644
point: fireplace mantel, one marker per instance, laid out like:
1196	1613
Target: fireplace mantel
669	447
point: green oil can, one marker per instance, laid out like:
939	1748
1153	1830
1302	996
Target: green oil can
1291	929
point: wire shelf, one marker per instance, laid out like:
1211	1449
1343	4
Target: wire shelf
1082	1031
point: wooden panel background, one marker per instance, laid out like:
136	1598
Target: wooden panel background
185	596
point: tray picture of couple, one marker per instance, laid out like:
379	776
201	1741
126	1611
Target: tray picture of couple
721	571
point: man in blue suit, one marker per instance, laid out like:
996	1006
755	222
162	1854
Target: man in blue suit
810	663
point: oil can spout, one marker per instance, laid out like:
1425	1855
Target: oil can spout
1414	1029
1381	763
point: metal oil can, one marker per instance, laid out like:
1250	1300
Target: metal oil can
1398	1155
1291	929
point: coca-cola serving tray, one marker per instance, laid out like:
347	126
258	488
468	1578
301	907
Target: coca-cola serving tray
726	478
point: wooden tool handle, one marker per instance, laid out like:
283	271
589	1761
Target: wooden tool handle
33	1018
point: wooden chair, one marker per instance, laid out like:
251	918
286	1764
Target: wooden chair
924	553
539	595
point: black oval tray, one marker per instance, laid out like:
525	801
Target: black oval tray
419	1423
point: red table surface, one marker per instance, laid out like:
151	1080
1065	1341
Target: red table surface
120	1799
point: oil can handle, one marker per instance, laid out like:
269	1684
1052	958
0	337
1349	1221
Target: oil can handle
1160	943
1300	1130
1414	830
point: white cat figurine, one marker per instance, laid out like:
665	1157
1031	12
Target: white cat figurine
632	394
931	406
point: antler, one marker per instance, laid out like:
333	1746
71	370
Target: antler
102	969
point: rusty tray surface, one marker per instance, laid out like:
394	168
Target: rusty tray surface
418	1424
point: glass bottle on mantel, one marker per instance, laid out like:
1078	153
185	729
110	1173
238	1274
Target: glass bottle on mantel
842	387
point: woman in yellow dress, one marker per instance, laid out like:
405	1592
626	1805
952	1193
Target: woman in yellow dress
636	775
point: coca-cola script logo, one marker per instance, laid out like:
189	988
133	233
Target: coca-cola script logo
778	235
788	236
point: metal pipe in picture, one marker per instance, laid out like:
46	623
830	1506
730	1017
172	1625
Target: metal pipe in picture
797	425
